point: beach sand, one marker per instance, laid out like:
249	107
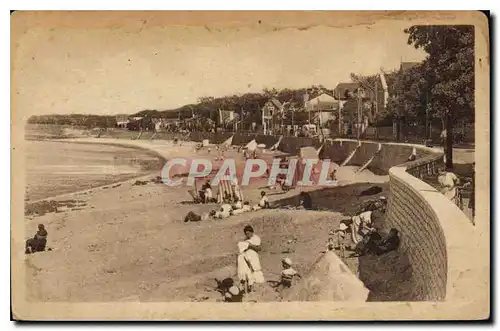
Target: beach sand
128	242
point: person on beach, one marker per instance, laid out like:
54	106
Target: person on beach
330	245
305	200
264	200
263	203
471	184
341	238
206	192
225	211
248	261
333	175
361	226
246	206
448	181
193	217
391	243
287	275
38	242
238	204
237	207
368	245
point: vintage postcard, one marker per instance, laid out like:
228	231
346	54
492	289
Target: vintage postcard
250	166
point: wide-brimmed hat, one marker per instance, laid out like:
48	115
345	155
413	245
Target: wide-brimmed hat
382	197
287	261
342	227
234	290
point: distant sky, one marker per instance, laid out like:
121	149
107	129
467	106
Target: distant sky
112	71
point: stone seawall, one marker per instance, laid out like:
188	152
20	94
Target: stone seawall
422	237
436	235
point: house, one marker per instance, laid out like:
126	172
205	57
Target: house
270	111
322	102
271	108
122	121
226	116
374	97
324	108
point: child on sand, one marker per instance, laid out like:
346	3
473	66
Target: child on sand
246	206
263	203
287	275
234	294
341	236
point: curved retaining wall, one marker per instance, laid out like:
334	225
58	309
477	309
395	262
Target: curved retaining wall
422	236
435	234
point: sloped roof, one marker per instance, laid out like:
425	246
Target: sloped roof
252	145
322	102
323	98
276	103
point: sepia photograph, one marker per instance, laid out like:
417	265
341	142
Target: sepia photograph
287	165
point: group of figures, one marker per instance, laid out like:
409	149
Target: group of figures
249	270
361	232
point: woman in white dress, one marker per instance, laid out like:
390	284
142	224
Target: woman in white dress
248	263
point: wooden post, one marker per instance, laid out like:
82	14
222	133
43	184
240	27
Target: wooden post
340	118
359	113
376	99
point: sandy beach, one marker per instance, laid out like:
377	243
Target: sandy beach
129	242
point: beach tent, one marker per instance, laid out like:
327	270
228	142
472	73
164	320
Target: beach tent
308	152
252	145
275	146
228	141
319	149
228	186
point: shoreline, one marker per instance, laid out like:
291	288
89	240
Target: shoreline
162	159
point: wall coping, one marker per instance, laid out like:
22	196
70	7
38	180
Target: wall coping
422	147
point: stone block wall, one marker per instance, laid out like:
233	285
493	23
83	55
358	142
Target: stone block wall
422	239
